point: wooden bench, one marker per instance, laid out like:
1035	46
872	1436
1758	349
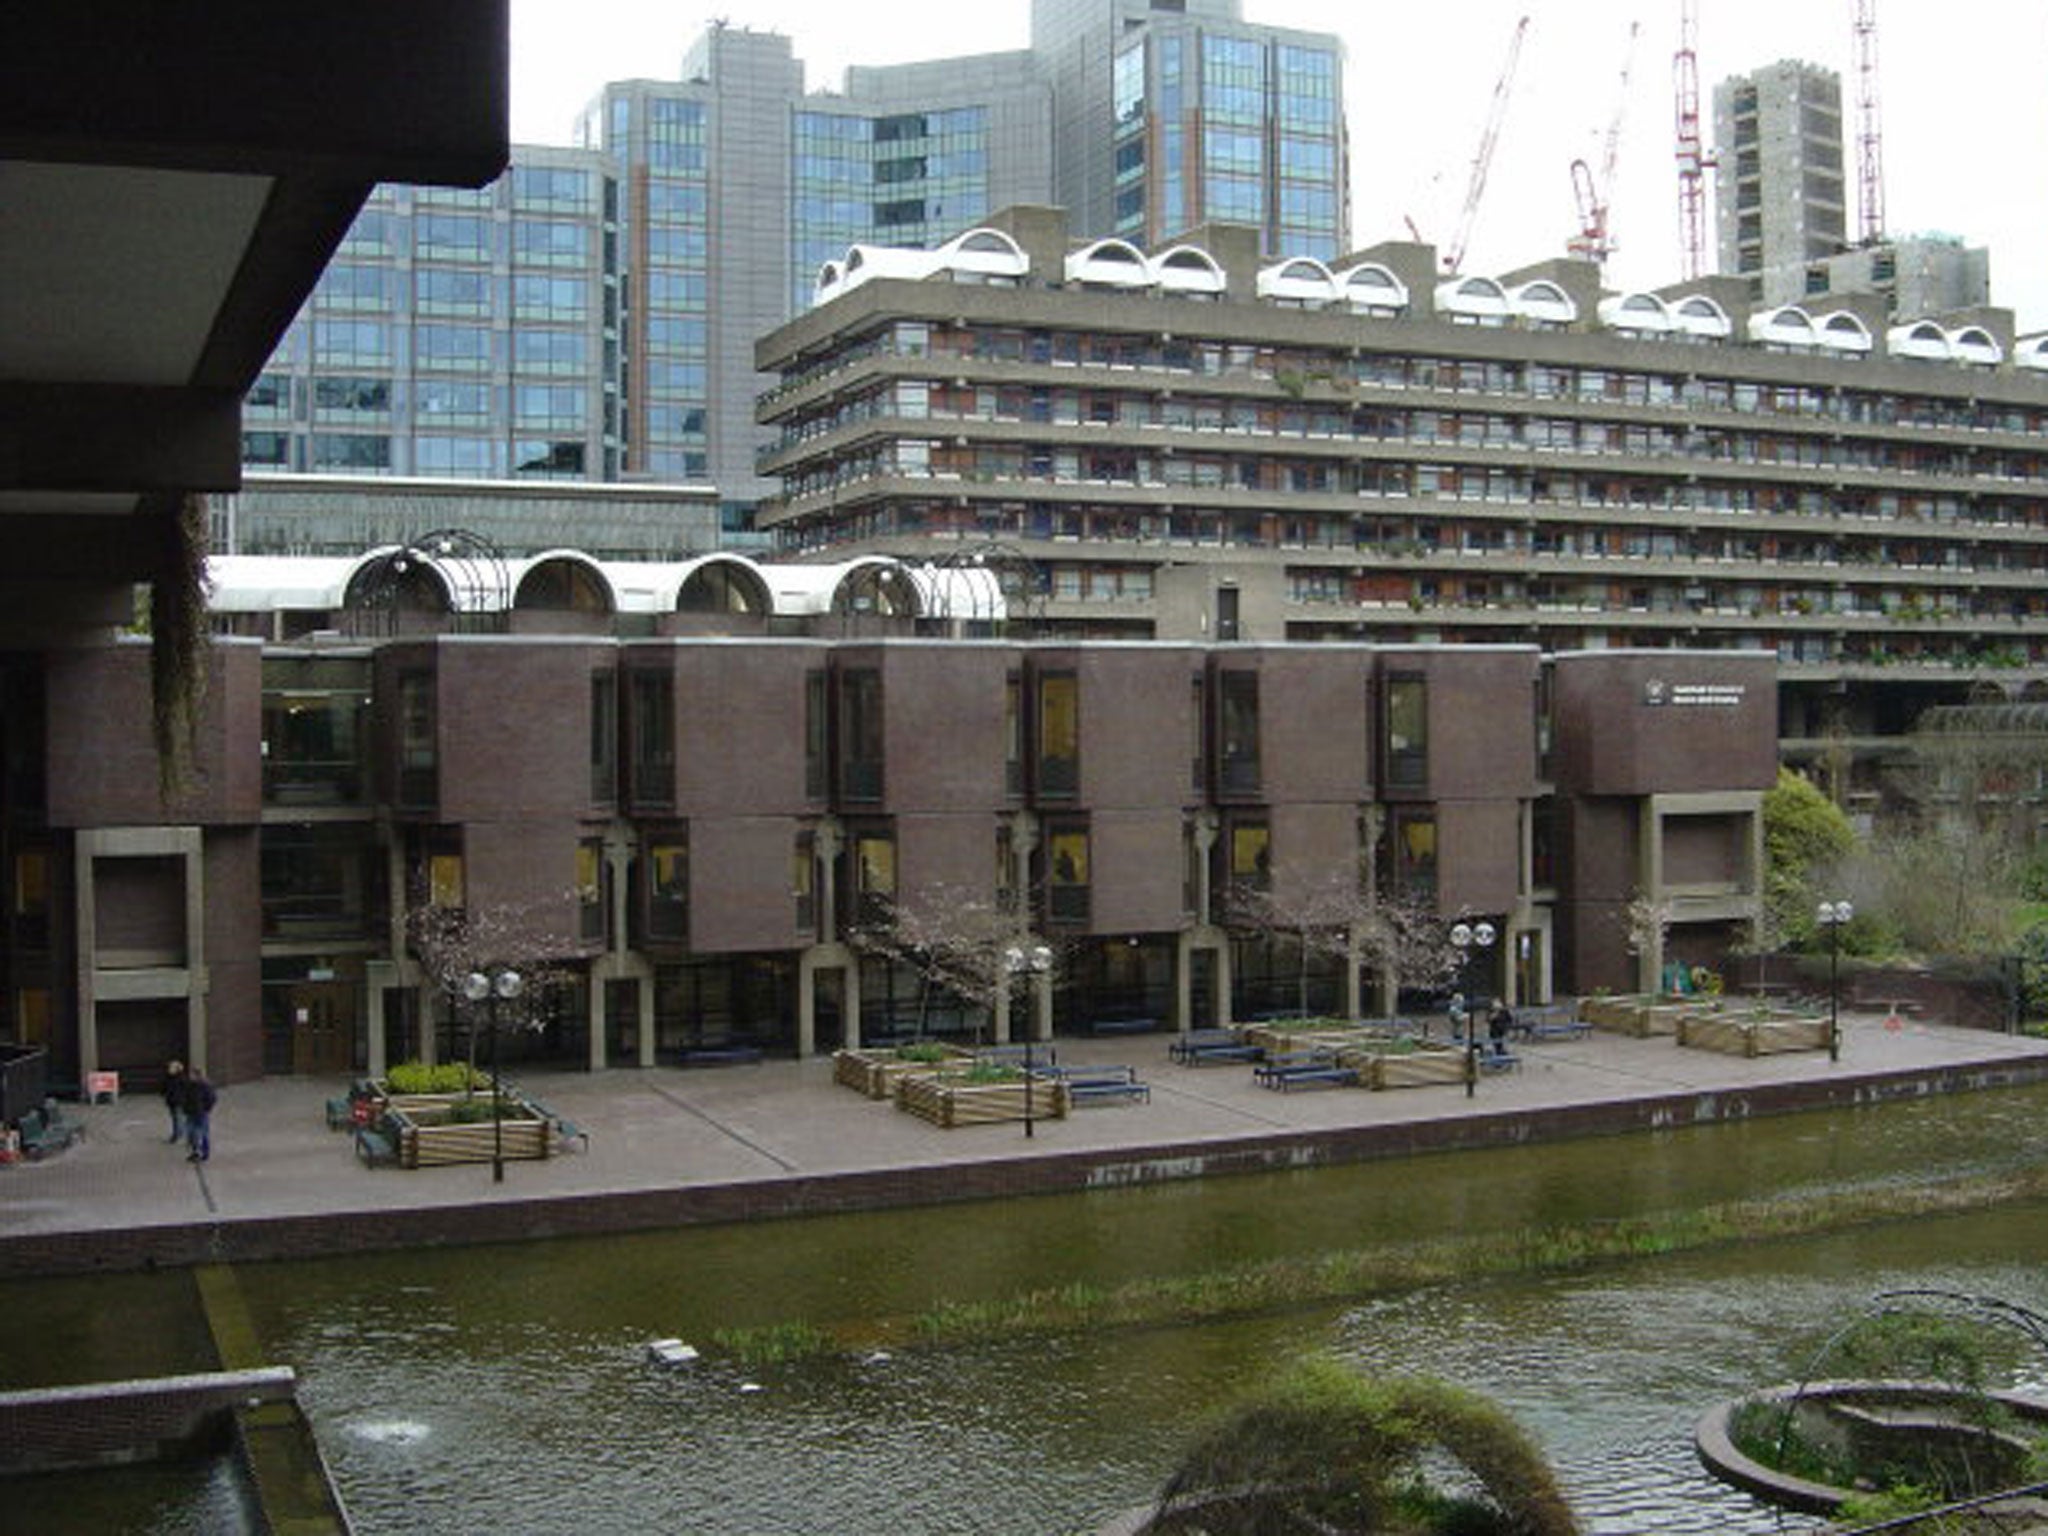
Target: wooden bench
376	1147
1123	1027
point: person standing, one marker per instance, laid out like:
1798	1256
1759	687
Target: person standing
199	1101
174	1098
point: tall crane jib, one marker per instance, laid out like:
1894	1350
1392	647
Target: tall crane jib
1693	158
1454	255
1869	129
1595	238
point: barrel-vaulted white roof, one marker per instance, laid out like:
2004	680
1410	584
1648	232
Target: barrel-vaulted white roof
988	252
967	593
274	583
1974	344
1637	311
1478	297
1368	285
665	586
1840	331
562	578
802	591
1918	338
1112	263
1702	317
1187	269
1298	280
1786	326
1543	301
2031	351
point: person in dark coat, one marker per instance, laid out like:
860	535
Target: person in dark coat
174	1098
199	1101
1500	1023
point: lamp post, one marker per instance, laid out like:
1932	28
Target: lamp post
1468	937
1033	960
1832	915
491	988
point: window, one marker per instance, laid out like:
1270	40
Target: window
817	737
313	732
803	882
1059	736
319	880
667	917
652	725
1013	734
1066	874
446	886
590	883
1249	850
874	877
1408	862
1407	732
860	736
418	749
1238	732
604	737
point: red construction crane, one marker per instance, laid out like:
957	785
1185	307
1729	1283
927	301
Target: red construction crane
1596	237
1869	129
1454	257
1693	158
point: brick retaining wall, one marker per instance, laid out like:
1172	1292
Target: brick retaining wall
255	1239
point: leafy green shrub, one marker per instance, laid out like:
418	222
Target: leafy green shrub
441	1077
927	1052
1885	1504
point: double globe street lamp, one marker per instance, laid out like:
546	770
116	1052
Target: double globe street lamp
1033	960
1834	916
1467	937
494	987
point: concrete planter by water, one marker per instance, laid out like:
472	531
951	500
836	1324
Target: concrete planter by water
951	1101
1420	1068
1753	1034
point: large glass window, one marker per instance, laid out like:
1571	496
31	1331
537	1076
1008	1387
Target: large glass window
860	736
1238	732
419	758
591	907
1408	862
667	865
1066	874
1059	736
1249	853
314	713
604	737
1407	731
1127	84
319	880
652	766
874	876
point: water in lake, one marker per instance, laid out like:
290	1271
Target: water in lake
510	1385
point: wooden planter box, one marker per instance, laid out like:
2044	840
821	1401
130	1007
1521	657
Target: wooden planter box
877	1072
1279	1040
1410	1069
951	1101
1750	1034
1638	1016
426	1142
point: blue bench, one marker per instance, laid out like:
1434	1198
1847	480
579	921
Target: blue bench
376	1147
1094	1085
1041	1053
1550	1021
1123	1027
717	1055
1288	1072
565	1129
1199	1047
1494	1056
45	1130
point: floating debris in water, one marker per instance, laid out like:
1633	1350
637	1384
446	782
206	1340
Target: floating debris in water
671	1352
751	1386
389	1431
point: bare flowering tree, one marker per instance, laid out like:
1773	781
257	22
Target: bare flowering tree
452	943
957	944
1645	922
1322	918
1409	942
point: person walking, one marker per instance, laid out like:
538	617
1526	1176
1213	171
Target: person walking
174	1097
200	1098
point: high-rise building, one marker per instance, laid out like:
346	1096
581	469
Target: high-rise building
1781	196
607	329
458	332
1168	114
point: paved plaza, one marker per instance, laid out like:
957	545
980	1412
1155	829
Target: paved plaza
774	1137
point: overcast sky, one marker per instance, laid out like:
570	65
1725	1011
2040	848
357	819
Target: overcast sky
1965	115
